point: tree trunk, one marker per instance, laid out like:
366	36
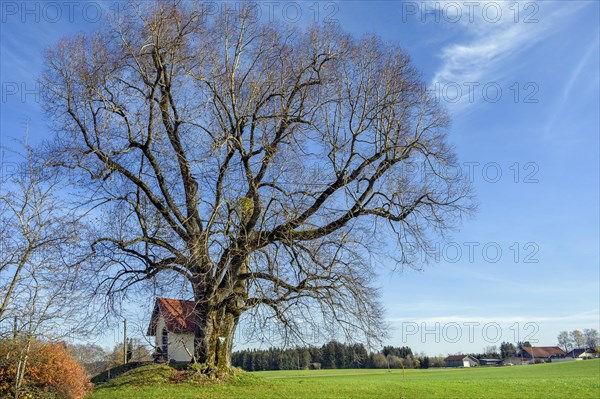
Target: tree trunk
213	337
216	319
22	364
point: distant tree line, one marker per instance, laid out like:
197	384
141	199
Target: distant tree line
492	352
506	350
333	355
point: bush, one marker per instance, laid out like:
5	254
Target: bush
50	372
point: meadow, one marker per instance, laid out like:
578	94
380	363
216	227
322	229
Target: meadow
580	379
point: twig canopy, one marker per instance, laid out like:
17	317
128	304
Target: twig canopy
260	163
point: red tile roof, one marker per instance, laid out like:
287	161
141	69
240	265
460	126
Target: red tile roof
455	357
544	351
178	315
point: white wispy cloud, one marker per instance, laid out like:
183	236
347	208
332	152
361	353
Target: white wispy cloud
583	61
491	51
576	75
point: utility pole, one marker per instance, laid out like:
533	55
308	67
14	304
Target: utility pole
124	341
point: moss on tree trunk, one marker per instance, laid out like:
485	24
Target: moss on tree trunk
213	340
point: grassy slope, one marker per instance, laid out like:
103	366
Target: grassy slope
560	380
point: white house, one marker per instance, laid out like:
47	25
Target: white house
172	325
582	353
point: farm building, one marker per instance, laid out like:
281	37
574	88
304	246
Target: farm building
490	362
172	325
582	353
540	352
460	361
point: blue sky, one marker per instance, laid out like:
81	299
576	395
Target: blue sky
521	81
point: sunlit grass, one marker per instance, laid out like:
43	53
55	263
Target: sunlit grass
579	379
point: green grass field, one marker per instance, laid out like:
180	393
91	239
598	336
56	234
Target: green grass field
579	379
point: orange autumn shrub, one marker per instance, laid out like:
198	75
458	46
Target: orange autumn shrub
50	371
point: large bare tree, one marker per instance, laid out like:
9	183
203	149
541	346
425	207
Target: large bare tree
262	164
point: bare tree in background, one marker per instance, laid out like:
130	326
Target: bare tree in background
261	164
592	339
564	340
41	291
91	356
577	339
